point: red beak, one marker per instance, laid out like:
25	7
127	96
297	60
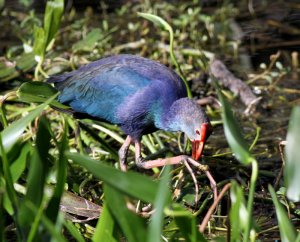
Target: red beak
198	145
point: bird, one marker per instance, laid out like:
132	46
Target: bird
140	96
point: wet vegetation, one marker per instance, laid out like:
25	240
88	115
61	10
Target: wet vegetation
59	176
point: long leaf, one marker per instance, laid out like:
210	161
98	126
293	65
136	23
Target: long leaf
292	166
287	230
131	183
238	212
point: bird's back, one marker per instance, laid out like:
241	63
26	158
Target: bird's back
127	90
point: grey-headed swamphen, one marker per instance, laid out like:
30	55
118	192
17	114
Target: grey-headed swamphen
140	96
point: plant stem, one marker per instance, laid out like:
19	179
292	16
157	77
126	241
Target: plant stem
40	69
2	110
251	199
189	93
258	129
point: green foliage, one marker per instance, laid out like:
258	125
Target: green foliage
52	18
240	148
292	167
135	230
187	224
39	167
38	92
94	37
162	23
24	63
39	153
238	212
12	134
44	36
105	226
287	230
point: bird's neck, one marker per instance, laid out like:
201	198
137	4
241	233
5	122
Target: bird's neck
168	118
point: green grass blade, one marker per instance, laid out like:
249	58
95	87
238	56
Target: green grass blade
35	223
39	164
131	183
287	230
39	43
186	223
52	18
238	212
133	226
53	206
55	234
105	226
73	231
2	221
163	198
13	132
157	20
292	166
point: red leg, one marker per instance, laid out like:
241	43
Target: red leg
123	153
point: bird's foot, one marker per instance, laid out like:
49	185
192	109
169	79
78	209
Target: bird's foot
141	163
181	159
205	169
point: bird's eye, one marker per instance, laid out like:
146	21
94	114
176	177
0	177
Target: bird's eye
197	131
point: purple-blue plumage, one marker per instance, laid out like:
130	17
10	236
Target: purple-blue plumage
140	96
137	94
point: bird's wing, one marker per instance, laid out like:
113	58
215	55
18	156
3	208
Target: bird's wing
99	90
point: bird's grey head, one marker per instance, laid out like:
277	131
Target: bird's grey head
188	117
